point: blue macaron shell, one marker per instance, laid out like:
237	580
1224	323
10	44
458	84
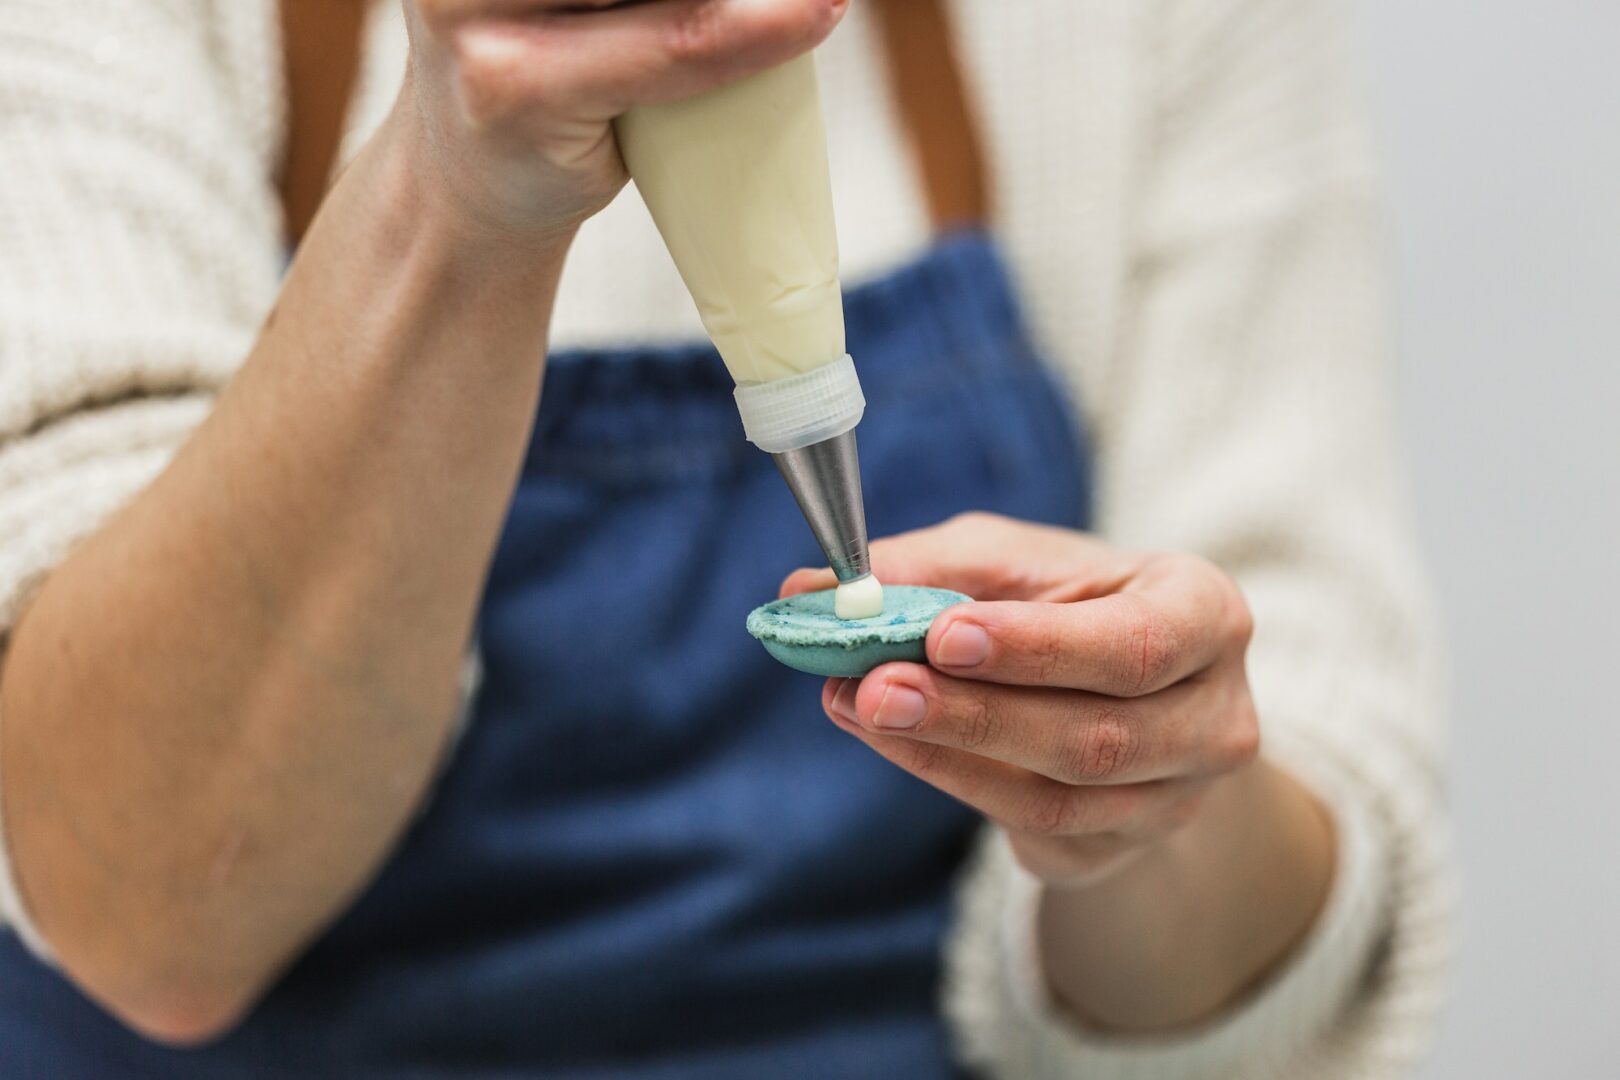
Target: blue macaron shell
804	633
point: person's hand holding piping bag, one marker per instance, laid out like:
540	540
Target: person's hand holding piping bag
1093	702
511	101
316	552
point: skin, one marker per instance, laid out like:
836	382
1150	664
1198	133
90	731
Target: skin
223	707
1093	704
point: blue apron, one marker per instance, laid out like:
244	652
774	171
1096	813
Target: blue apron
650	854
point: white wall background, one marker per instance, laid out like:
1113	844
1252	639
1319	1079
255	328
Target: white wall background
1500	127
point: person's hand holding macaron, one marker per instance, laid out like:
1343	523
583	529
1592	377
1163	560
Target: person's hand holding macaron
1086	702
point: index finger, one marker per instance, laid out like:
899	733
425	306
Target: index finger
988	557
1124	645
602	58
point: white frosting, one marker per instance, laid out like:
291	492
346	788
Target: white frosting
737	181
859	599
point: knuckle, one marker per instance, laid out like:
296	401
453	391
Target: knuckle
1048	657
979	721
1241	741
806	20
1115	810
1152	654
1093	811
1107	746
1226	599
697	35
1051	811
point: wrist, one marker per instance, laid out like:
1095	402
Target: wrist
500	196
436	203
1183	931
410	281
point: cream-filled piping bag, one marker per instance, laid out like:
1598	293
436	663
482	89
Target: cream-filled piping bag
737	182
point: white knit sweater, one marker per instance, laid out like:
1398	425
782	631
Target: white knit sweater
1185	197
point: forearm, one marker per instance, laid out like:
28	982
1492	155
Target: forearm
222	707
1182	932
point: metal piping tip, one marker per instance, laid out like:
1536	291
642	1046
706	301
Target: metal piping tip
825	478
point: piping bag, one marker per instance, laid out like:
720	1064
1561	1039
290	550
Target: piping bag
738	185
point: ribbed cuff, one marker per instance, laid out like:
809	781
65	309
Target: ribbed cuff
1008	1024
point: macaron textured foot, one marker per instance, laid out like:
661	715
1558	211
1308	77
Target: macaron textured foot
806	634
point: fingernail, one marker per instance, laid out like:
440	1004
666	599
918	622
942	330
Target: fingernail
964	644
901	708
842	705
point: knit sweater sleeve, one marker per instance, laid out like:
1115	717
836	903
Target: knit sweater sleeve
1246	416
139	250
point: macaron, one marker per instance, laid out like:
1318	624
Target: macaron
804	633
